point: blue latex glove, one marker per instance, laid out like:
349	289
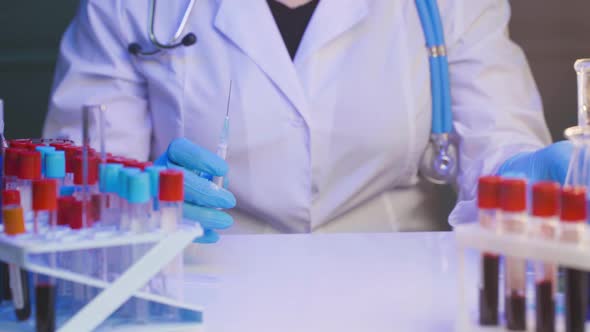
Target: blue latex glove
549	163
202	198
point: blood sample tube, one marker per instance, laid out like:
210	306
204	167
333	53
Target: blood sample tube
573	230
29	170
171	195
11	165
545	220
93	169
513	204
10	198
55	167
488	204
71	152
14	225
45	208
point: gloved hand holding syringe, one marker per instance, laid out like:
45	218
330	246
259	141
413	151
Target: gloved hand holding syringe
204	181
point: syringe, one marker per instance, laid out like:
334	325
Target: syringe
223	140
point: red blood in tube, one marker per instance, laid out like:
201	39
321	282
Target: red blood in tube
45	307
11	161
75	214
64	204
545	307
29	165
95	204
516	312
93	165
10	197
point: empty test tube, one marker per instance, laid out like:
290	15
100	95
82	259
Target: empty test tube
573	230
123	187
29	170
545	213
514	216
111	204
45	210
488	205
582	68
154	173
14	225
171	195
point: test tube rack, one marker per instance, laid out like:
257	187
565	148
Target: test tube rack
473	238
25	250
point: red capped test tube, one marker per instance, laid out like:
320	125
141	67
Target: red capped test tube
514	217
29	170
11	165
14	225
573	230
545	220
45	208
488	202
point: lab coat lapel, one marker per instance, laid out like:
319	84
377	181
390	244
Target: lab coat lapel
250	26
330	19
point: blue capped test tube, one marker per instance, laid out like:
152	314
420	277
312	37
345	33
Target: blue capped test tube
54	167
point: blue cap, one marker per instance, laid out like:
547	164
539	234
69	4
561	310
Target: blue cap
67	190
154	172
123	179
109	177
55	164
139	188
44	149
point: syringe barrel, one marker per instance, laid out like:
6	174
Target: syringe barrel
582	67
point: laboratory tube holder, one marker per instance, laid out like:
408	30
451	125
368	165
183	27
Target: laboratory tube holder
31	255
473	240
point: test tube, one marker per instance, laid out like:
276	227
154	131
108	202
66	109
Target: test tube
55	167
71	153
573	230
11	166
154	173
171	195
45	208
14	225
139	218
123	187
111	204
582	68
488	204
513	203
545	220
29	170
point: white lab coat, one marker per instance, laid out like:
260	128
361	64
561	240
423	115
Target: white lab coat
335	134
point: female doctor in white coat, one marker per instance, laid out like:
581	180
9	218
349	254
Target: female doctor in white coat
330	110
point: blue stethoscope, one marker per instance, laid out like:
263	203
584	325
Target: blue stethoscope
439	162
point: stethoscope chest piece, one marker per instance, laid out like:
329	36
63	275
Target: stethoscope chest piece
440	161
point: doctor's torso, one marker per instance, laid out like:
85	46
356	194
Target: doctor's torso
310	138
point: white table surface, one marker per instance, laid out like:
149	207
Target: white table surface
332	282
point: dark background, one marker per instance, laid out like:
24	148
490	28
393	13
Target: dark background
552	33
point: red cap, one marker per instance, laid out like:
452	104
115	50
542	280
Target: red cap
115	160
171	186
29	165
11	156
33	146
573	204
75	214
10	197
513	195
60	145
93	165
44	195
488	192
19	143
64	204
71	152
546	199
